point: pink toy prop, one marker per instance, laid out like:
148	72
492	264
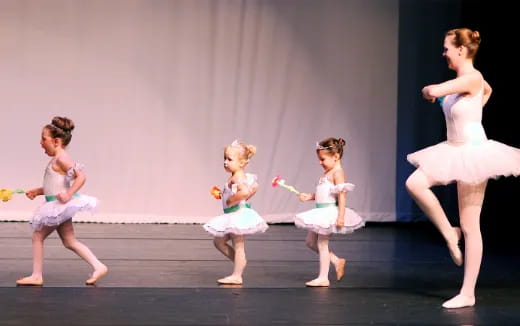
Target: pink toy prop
278	181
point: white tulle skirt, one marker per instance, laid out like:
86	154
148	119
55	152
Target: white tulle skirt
54	213
445	163
241	222
323	220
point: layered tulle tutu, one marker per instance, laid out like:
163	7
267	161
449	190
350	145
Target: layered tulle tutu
241	222
471	163
53	213
323	220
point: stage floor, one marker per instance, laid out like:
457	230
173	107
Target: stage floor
162	274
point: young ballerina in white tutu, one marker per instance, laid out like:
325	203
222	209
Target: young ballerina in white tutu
239	218
467	158
61	182
330	215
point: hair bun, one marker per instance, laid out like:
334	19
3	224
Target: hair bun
63	123
476	37
251	151
342	142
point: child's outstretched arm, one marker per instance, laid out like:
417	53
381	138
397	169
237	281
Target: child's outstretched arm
305	196
31	194
339	178
65	164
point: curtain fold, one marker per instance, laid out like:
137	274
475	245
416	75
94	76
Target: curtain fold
158	88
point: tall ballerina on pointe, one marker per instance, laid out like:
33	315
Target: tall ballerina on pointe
61	182
467	158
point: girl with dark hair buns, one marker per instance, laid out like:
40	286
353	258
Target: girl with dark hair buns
331	214
61	182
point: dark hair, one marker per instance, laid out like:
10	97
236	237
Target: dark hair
466	37
61	127
332	145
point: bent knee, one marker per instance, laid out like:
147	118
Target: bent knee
69	244
218	242
411	184
417	181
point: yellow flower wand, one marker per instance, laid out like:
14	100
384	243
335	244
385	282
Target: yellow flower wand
7	194
278	181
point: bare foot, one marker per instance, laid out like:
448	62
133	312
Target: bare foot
454	248
235	280
459	301
318	283
30	281
96	275
340	269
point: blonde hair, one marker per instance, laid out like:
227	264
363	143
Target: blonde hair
466	37
246	151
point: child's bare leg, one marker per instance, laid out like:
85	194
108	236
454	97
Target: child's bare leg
418	185
470	206
312	241
66	232
339	263
221	243
240	261
323	249
38	237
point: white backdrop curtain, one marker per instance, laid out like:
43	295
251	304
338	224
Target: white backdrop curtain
157	88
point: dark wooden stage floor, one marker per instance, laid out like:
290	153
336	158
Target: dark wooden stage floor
165	275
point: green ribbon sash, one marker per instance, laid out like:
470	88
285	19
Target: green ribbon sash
236	208
323	205
53	198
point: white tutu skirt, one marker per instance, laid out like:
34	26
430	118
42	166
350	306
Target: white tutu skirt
53	213
469	163
243	221
323	220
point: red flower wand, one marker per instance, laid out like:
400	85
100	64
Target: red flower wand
278	181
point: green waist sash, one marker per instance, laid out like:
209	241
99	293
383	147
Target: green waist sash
236	208
53	198
323	205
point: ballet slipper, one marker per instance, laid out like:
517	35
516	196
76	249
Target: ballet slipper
29	281
459	301
340	269
230	280
455	252
318	283
230	286
96	275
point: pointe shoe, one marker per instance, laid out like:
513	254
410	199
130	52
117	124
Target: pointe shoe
96	275
340	269
29	281
230	280
318	283
455	252
459	301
